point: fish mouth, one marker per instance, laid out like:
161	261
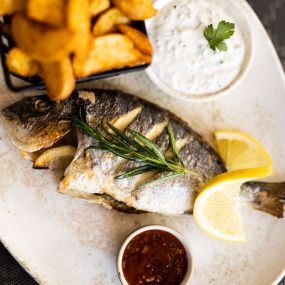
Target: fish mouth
7	114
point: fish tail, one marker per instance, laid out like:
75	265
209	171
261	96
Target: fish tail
266	197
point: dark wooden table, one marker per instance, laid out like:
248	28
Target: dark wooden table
272	14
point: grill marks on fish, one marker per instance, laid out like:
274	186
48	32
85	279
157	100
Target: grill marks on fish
104	162
196	154
157	120
149	176
123	121
108	105
154	125
101	167
160	138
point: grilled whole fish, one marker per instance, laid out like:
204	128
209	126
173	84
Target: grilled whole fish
35	123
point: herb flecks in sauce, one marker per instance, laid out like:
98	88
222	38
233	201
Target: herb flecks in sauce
183	59
155	257
216	37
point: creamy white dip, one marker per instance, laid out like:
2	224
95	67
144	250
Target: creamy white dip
183	59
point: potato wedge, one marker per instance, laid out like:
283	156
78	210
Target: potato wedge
108	52
107	22
140	40
78	15
41	42
63	153
136	9
59	78
79	21
51	12
9	7
19	63
98	6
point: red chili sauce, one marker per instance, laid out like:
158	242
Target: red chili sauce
155	257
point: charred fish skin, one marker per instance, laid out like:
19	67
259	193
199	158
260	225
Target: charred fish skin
97	176
36	122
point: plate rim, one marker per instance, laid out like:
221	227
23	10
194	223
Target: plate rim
281	72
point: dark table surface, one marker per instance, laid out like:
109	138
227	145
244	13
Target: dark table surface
272	14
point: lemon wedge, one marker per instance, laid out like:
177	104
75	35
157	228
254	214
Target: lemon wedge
216	209
240	151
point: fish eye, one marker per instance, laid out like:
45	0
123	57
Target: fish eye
42	105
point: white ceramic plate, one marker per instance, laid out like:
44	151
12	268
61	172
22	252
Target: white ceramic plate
61	241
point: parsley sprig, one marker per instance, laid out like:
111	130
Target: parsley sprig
216	37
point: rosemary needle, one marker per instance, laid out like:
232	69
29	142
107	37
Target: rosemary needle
134	146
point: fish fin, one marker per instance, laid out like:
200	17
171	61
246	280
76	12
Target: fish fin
266	197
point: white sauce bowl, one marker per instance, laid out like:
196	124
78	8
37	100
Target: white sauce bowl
190	269
240	13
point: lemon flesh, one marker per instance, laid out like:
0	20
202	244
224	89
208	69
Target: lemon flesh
216	209
240	151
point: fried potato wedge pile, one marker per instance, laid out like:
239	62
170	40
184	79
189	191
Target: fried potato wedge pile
41	42
62	40
104	55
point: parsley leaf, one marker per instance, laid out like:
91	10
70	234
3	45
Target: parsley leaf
216	37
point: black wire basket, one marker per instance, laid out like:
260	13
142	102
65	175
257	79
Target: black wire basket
26	84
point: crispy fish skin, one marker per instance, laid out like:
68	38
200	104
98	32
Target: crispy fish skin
94	171
35	123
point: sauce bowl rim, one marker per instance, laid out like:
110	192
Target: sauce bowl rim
180	237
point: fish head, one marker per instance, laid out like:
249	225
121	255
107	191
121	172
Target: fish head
35	123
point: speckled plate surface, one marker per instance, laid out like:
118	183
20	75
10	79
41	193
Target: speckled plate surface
60	240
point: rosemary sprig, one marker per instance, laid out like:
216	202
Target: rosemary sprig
133	146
